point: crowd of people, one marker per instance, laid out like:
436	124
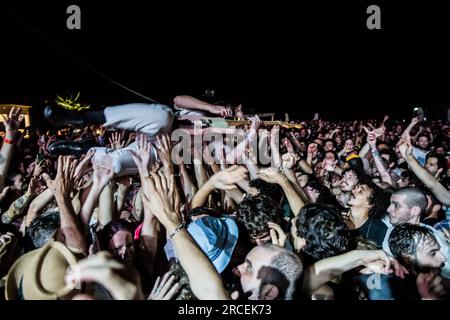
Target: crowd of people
106	204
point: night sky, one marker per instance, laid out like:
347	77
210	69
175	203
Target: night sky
272	57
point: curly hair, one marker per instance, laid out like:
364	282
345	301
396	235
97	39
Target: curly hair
185	291
324	230
272	190
254	214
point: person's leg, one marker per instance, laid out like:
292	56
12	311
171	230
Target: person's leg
122	162
150	119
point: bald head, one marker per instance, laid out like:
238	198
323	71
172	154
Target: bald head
414	198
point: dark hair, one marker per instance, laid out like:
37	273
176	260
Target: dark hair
42	229
332	141
108	231
325	195
254	214
392	156
272	190
359	172
324	230
285	270
406	239
379	200
202	210
441	161
336	156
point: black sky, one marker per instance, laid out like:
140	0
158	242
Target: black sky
277	56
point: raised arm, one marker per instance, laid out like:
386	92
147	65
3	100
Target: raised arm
275	147
439	191
11	123
223	180
205	282
17	207
100	178
372	141
407	132
62	187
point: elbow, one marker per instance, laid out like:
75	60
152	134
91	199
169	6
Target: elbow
180	100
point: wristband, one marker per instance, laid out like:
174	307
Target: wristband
6	140
181	226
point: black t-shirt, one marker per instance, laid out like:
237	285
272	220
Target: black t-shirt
374	230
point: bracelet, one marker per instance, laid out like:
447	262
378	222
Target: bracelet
6	140
181	226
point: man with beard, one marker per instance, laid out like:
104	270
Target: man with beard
408	205
419	251
350	180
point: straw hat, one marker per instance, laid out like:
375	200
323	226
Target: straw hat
40	274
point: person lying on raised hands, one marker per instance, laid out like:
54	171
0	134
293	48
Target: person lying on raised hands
203	277
439	191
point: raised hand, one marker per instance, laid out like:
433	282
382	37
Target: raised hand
277	234
405	147
33	186
116	141
289	160
3	193
430	287
12	121
102	175
415	121
83	166
165	288
141	155
270	175
65	180
222	111
274	133
164	152
226	179
256	123
163	205
5	240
